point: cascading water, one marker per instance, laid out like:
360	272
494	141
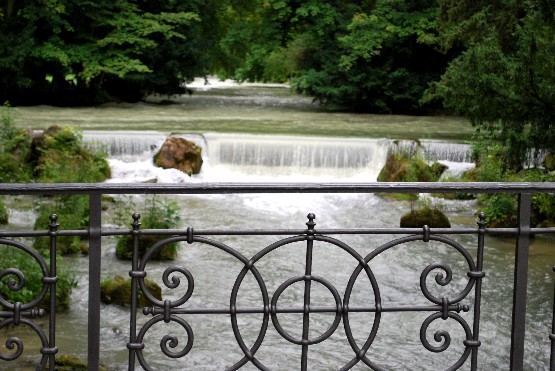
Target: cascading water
245	157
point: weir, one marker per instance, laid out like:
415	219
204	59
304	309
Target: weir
357	159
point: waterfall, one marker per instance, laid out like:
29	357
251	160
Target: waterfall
250	157
129	146
261	155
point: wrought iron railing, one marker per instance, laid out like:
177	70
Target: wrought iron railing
179	310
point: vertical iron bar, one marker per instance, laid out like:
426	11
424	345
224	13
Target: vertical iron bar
552	335
134	265
95	221
307	286
478	290
53	226
520	282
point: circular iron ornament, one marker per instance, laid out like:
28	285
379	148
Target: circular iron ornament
15	342
362	265
344	307
440	279
18	283
330	330
249	353
167	340
249	266
444	338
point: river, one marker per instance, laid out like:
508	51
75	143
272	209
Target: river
262	145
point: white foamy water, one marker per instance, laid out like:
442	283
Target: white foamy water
263	158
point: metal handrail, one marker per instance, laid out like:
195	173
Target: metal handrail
96	231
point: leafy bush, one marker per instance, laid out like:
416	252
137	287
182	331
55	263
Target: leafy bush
61	157
501	209
157	215
73	213
13	257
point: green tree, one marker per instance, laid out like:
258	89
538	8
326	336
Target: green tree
359	55
381	61
75	51
504	81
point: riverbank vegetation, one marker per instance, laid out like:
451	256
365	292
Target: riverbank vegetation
158	214
55	155
490	62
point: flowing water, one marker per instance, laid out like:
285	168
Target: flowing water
241	157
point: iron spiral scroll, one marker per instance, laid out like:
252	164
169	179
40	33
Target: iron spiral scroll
22	314
441	307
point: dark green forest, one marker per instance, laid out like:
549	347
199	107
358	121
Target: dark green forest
488	60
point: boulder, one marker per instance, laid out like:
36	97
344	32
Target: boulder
180	154
433	218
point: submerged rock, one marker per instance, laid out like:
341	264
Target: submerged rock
180	154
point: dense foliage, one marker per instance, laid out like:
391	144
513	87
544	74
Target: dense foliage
361	55
504	81
74	51
490	61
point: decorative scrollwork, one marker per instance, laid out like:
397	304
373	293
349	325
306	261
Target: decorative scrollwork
14	285
444	338
15	342
19	282
167	310
11	343
442	280
168	341
172	282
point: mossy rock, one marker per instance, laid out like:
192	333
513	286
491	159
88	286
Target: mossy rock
70	363
65	362
118	291
433	218
399	168
549	161
124	248
84	247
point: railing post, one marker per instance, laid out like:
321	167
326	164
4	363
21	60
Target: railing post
520	282
52	280
95	221
134	274
479	275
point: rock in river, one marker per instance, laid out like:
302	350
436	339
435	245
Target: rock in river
181	154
